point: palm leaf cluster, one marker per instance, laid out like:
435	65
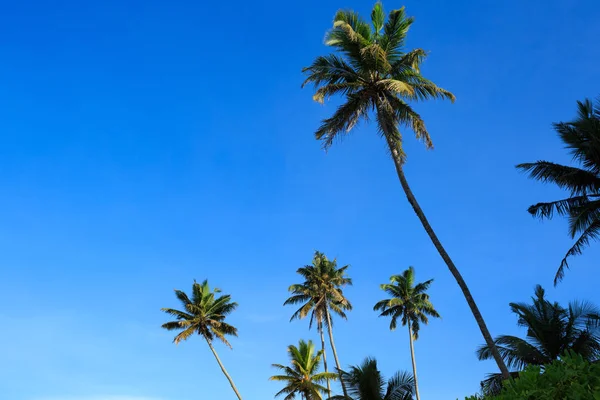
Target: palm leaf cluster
303	376
374	73
582	207
552	330
203	314
365	382
409	302
321	290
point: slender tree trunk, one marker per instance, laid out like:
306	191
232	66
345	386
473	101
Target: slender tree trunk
414	363
320	327
335	356
438	245
223	369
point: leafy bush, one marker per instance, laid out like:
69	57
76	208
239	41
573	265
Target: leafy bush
570	378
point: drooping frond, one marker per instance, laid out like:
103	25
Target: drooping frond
560	207
591	233
344	119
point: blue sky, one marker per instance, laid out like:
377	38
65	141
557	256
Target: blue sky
146	143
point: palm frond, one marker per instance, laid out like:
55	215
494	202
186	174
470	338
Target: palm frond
578	181
395	31
591	233
344	119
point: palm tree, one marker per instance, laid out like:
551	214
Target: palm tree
582	207
411	304
552	330
376	75
302	377
204	314
320	293
365	382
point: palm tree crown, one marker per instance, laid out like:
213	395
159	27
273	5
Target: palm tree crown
408	301
365	382
321	290
203	314
374	72
582	207
552	330
303	376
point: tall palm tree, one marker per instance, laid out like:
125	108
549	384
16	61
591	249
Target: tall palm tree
303	376
552	330
411	304
365	382
204	314
582	207
319	295
376	75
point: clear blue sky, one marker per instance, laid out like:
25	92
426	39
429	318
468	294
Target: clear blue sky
148	143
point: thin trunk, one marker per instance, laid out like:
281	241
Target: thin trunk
414	363
335	356
223	369
438	245
320	327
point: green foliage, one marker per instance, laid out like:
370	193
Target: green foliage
373	71
320	291
303	377
571	378
408	301
552	330
203	314
582	207
365	382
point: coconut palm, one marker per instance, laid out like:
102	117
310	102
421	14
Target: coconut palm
552	330
376	75
204	314
303	377
410	303
582	207
319	295
365	382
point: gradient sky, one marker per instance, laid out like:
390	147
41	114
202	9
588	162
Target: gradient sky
148	143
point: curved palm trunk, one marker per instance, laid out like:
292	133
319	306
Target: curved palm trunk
320	328
335	356
223	369
438	245
414	363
